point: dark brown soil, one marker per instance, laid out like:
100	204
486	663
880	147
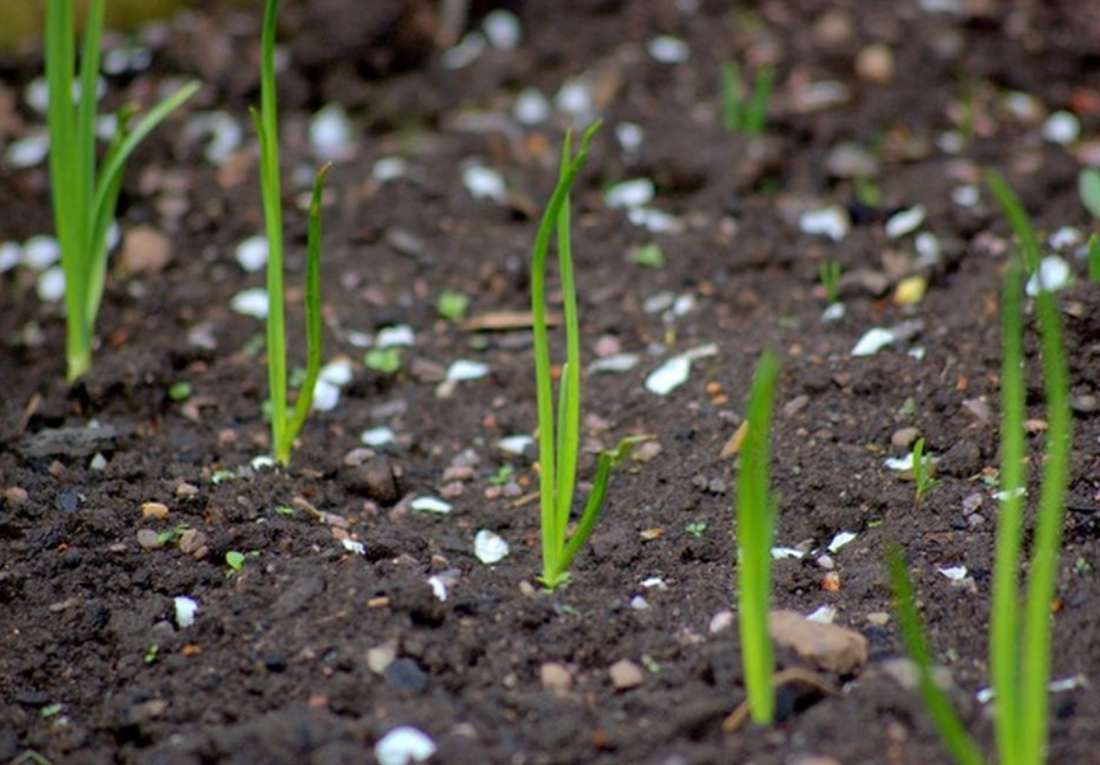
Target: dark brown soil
276	666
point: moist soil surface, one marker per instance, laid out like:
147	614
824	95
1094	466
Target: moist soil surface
316	648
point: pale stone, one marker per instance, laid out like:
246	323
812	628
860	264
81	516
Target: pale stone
831	648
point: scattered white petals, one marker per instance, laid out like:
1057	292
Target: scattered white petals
430	505
465	53
722	620
654	221
905	221
620	362
132	58
842	538
630	136
669	50
831	222
873	341
399	334
1006	494
404	745
463	370
628	194
51	285
781	553
30	151
353	547
439	587
833	313
503	30
575	99
226	134
186	608
37	95
337	372
966	196
638	603
11	255
1065	237
986	695
1062	128
389	169
515	444
927	246
1054	275
489	547
483	182
376	437
250	302
40	252
654	582
900	464
251	254
662	301
823	615
669	376
954	573
262	462
331	133
531	107
358	339
326	396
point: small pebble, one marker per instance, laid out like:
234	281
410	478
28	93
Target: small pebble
148	539
15	495
625	674
875	64
156	510
192	542
555	677
903	438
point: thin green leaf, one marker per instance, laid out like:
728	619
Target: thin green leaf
756	116
1088	188
1094	258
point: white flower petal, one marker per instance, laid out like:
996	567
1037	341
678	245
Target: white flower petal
831	222
489	547
404	745
251	302
463	370
251	254
873	341
430	505
377	437
186	608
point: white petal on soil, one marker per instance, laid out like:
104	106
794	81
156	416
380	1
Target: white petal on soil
132	58
399	334
331	133
262	462
503	30
575	99
633	193
1054	273
835	312
780	553
464	369
831	222
669	50
927	246
377	436
483	182
11	255
337	372
823	615
1065	237
251	254
701	352
356	548
1005	494
900	464
620	362
439	587
905	221
226	134
954	573
531	107
1062	128
40	252
358	339
654	581
630	136
638	603
465	53
29	151
662	301
966	196
430	505
669	376
51	285
37	95
489	547
515	444
250	302
326	396
186	609
389	169
842	538
404	745
721	621
873	341
654	221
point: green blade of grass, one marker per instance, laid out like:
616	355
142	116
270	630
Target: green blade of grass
756	115
732	99
1004	628
1094	258
962	748
1088	188
755	527
313	307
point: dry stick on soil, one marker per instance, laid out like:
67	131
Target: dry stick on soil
558	451
283	429
84	201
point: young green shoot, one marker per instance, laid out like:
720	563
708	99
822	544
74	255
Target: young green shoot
829	274
84	195
1094	258
1020	647
962	748
559	439
923	469
452	305
756	510
741	113
1088	188
285	425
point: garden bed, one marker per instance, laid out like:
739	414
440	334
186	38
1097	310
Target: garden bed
315	648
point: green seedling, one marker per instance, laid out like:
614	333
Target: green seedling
1094	258
180	391
384	360
452	305
502	476
829	274
1088	188
285	425
649	255
151	653
84	196
285	511
923	469
755	513
222	476
172	534
234	560
696	528
559	445
741	112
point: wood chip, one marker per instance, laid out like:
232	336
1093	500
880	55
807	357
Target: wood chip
502	321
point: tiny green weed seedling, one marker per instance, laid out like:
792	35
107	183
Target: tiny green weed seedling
559	440
151	654
285	425
234	560
649	255
1094	258
696	528
84	196
756	510
502	476
829	274
384	360
452	305
923	469
746	113
172	534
